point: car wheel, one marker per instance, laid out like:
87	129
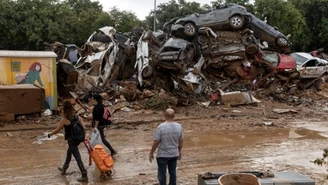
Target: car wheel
202	40
189	29
236	22
282	42
319	85
147	72
251	49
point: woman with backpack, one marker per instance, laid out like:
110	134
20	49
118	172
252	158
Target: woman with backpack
69	120
99	121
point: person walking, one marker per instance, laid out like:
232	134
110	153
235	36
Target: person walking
69	115
168	138
97	114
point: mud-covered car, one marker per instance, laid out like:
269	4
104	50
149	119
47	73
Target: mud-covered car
309	66
263	31
312	70
279	61
231	16
176	54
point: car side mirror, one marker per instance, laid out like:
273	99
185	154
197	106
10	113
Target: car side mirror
197	14
275	28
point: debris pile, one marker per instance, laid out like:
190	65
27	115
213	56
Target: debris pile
197	58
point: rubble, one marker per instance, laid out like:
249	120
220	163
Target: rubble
283	111
190	62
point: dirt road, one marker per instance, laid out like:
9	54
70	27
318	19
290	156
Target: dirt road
217	139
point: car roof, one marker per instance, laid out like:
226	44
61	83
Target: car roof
305	55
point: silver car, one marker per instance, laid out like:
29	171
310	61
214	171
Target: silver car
231	16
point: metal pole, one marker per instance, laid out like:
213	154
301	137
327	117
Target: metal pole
154	15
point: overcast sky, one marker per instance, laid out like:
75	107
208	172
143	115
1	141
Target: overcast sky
140	7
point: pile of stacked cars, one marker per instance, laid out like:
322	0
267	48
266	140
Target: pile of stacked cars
220	49
223	50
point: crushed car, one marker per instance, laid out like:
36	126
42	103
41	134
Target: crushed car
276	40
312	70
231	16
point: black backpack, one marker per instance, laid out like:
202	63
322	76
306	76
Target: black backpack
77	131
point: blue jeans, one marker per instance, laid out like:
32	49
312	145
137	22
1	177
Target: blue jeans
171	163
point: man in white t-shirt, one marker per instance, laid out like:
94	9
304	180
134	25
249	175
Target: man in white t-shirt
168	138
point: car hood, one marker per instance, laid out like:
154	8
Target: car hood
176	43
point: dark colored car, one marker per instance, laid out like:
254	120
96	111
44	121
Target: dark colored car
230	16
265	32
176	54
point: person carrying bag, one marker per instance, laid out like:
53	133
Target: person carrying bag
74	134
101	119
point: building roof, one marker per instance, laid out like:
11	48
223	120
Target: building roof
24	54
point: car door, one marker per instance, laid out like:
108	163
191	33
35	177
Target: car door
311	69
222	15
208	19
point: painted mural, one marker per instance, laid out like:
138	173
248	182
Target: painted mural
40	72
31	76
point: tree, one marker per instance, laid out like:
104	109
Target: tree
315	32
124	21
27	24
246	3
285	16
170	10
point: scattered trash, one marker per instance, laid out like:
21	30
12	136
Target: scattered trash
238	98
40	139
204	104
283	111
126	109
268	123
188	66
47	113
9	134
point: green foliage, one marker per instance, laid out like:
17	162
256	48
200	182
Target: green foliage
322	161
27	24
170	10
315	33
245	3
285	16
125	21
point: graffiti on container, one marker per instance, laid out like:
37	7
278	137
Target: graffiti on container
31	76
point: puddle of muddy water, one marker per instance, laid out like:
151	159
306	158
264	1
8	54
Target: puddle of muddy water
248	137
279	149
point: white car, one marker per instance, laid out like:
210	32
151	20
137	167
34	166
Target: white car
309	66
312	70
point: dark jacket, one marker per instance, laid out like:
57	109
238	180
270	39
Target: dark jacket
97	113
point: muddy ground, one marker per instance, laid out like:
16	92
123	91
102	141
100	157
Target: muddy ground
217	139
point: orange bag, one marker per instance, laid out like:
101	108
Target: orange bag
103	161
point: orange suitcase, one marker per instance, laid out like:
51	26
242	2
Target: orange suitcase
102	159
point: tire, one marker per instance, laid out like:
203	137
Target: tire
251	49
319	85
282	42
236	22
147	72
202	40
189	29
